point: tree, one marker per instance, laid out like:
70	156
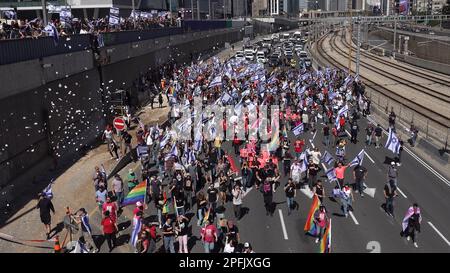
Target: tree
446	8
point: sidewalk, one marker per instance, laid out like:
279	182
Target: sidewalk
74	189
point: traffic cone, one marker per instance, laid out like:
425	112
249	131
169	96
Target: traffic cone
57	247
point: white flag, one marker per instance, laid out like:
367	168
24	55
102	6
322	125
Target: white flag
393	142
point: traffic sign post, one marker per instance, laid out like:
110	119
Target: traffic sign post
119	123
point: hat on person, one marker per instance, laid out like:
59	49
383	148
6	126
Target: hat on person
130	171
393	163
246	245
138	204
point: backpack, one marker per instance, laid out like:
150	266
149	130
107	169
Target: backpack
267	187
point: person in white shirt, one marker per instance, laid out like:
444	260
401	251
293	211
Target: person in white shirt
238	194
230	247
296	172
315	155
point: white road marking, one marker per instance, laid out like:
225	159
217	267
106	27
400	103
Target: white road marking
438	232
247	191
324	167
348	133
404	195
312	144
353	217
438	175
283	226
369	157
374	246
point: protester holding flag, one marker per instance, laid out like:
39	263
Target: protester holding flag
321	222
319	190
411	223
82	218
340	173
45	206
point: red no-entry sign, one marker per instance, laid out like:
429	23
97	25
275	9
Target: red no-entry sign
119	123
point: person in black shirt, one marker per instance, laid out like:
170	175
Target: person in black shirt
378	132
168	234
326	135
179	202
212	197
390	191
313	170
360	174
354	128
267	192
188	191
127	142
232	232
45	206
290	191
319	190
392	117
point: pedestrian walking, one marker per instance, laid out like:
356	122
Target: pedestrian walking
117	189
100	197
291	193
319	190
45	206
378	134
340	173
82	218
354	129
390	192
360	175
110	206
392	173
369	134
168	236
213	195
182	229
321	222
209	236
411	224
238	195
267	192
109	230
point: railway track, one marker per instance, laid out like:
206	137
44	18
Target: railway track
413	71
403	81
437	117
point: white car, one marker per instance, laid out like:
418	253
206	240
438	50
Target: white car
303	55
261	57
249	56
240	55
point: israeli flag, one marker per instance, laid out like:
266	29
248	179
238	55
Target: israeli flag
302	90
164	141
114	20
173	152
217	81
393	142
226	98
48	190
358	159
285	86
327	158
332	95
51	30
135	233
304	166
198	144
331	175
298	129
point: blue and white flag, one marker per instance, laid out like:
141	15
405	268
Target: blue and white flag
298	129
217	81
304	166
327	158
51	30
358	159
164	140
226	98
189	155
85	223
48	190
331	175
342	112
393	142
173	152
135	233
197	144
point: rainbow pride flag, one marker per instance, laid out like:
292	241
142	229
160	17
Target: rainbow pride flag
136	194
310	226
325	243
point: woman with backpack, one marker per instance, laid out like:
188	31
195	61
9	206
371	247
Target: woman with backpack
267	192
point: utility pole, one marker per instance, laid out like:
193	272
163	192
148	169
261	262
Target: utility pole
198	10
209	9
358	42
134	13
44	11
350	45
192	9
395	34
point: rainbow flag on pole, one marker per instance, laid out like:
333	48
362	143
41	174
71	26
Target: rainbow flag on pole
325	243
136	194
310	226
